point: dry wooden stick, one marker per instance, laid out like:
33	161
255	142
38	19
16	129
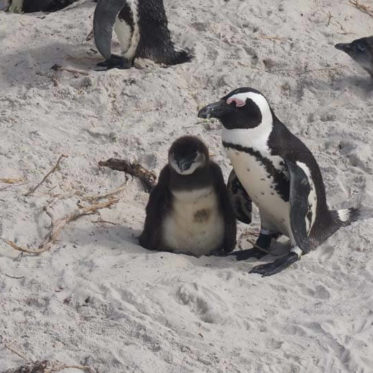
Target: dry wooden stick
363	8
73	71
47	366
10	348
55	167
7	180
101	196
56	227
147	177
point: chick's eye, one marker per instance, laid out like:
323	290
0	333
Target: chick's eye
238	102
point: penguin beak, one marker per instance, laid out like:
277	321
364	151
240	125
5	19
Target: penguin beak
215	110
344	47
184	164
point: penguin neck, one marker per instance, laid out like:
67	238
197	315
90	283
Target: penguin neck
255	138
200	178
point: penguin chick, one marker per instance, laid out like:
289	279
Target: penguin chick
279	174
189	210
360	50
142	30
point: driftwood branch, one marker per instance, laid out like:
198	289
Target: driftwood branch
55	168
72	71
58	225
147	177
363	8
47	366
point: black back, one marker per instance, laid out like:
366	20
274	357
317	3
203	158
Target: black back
30	6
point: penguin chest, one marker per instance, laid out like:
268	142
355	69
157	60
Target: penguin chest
127	29
257	175
194	224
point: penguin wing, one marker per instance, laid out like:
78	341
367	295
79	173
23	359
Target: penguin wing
299	191
240	200
103	21
156	209
226	210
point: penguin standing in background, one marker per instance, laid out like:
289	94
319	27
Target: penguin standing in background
141	27
360	50
280	175
189	210
30	6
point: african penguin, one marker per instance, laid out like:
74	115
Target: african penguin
30	6
189	210
141	27
280	175
360	50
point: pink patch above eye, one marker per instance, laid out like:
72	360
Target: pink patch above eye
237	101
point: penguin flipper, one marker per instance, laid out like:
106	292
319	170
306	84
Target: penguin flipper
103	22
229	241
240	200
299	191
158	204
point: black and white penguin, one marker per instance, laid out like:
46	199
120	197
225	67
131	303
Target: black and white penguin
141	27
280	175
30	6
189	210
360	50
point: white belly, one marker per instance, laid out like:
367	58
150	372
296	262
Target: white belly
128	39
194	225
274	211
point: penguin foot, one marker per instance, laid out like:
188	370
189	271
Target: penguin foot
114	62
277	266
249	253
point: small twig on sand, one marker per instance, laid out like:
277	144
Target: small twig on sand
89	36
15	277
329	18
7	180
32	190
97	197
363	8
10	348
147	177
72	71
47	366
104	222
57	226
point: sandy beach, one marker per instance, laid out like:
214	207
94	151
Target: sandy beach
96	297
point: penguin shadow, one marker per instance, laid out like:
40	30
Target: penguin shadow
32	66
107	237
359	84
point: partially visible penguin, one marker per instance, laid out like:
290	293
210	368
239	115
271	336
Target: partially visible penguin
279	174
189	210
30	6
141	27
360	50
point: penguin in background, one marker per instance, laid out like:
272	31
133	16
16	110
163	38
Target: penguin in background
361	51
142	29
30	6
279	174
189	210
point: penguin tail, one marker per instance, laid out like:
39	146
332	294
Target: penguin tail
178	57
344	217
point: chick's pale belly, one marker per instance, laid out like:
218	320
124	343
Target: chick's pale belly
195	224
259	184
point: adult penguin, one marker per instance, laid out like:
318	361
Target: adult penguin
141	27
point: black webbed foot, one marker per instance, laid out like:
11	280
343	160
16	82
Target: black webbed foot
249	253
114	62
277	266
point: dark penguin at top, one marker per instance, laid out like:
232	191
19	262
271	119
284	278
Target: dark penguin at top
30	6
189	210
280	175
141	27
361	51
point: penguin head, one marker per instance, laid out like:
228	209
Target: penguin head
242	108
187	154
361	50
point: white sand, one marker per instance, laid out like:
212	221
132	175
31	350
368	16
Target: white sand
98	298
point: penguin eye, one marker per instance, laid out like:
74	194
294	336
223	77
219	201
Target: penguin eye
238	102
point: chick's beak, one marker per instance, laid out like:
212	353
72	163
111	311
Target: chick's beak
343	47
